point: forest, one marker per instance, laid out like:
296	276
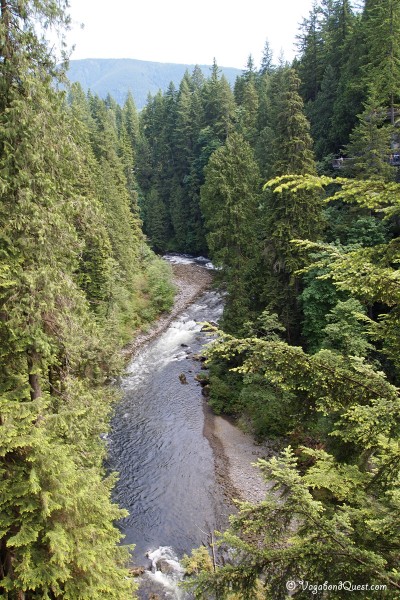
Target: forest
289	182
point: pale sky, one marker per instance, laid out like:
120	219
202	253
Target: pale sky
181	31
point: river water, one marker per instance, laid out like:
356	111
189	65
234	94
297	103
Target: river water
167	478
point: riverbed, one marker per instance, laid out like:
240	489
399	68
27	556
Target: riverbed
179	465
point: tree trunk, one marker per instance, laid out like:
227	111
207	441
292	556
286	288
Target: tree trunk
34	381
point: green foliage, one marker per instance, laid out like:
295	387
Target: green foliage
318	297
71	253
128	75
270	412
225	387
319	519
370	143
341	506
287	216
159	287
382	29
345	331
229	201
199	560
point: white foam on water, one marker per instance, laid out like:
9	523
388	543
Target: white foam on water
187	259
165	558
179	259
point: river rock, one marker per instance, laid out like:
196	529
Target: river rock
202	379
182	378
165	567
136	571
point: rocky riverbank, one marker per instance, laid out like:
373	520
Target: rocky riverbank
235	453
190	281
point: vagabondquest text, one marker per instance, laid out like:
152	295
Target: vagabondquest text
346	586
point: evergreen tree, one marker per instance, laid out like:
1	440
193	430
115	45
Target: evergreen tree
310	44
382	30
337	499
267	66
286	217
57	533
218	103
229	201
247	98
370	143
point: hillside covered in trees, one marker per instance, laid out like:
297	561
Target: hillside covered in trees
289	182
119	76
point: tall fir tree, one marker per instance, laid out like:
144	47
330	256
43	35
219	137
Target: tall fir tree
229	201
57	534
286	217
382	30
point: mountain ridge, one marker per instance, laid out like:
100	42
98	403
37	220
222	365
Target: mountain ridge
118	76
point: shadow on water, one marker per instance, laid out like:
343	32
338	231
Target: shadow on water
166	469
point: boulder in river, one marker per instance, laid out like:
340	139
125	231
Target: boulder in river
182	378
136	571
166	567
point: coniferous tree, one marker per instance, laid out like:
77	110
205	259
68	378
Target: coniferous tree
267	66
57	533
229	201
218	103
382	31
287	217
310	45
370	143
338	499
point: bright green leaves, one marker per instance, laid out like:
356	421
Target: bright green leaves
321	527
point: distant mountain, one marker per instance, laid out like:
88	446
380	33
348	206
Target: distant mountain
116	76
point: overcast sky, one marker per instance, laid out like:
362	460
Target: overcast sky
183	31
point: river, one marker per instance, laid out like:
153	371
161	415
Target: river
167	478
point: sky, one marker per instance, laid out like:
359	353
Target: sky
183	31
